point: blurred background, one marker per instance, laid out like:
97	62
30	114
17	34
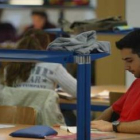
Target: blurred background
15	15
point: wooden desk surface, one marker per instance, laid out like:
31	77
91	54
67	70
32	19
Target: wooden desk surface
97	89
4	134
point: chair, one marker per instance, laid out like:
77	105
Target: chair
114	96
17	115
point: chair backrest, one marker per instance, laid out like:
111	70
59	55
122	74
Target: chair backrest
17	115
114	96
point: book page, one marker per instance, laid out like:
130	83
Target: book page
6	126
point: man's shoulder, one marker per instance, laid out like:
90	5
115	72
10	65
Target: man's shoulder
137	80
135	84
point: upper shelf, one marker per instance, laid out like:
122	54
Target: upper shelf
47	6
42	56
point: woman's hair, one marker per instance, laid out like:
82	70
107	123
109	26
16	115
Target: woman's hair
40	35
19	72
131	41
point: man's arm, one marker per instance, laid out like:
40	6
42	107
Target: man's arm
106	115
129	127
124	127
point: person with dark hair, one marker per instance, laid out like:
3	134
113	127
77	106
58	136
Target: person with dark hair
7	32
127	108
8	38
40	21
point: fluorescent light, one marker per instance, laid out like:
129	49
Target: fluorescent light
26	2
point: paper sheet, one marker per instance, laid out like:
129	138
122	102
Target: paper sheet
103	94
73	129
6	126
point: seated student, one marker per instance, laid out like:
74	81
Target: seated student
38	75
128	106
7	33
40	21
7	40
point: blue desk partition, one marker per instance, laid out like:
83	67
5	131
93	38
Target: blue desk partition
84	76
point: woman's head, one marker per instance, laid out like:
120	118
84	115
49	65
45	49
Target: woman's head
19	71
42	37
29	43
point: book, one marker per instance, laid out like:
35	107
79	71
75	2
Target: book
62	94
102	95
6	126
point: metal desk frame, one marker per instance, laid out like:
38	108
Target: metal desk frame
73	106
83	84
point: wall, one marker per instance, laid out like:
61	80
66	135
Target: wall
131	12
108	8
110	70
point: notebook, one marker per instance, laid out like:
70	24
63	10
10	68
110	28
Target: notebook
38	131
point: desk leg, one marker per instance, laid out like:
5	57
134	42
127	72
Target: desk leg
87	96
81	102
83	97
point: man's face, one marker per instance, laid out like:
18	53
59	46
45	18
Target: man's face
131	61
38	21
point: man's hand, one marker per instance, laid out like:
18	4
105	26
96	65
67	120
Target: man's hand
102	125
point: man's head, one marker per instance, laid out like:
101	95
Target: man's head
130	51
39	18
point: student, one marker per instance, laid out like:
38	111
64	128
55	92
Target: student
128	106
38	75
41	21
7	33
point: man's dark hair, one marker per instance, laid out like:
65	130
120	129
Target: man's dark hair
40	13
131	41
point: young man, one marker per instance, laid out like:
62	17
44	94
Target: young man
40	21
128	106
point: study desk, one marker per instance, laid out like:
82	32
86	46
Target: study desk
4	134
96	104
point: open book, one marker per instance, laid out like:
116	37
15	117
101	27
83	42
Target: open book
73	129
62	94
6	126
103	95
